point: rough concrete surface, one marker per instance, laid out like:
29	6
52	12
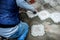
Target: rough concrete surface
52	29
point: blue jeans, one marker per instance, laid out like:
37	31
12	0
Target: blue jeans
22	31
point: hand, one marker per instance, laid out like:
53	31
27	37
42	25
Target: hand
34	12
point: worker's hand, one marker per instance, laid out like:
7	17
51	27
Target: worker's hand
35	11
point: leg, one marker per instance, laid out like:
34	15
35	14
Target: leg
21	32
24	31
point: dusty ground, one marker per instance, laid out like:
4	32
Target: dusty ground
55	35
47	36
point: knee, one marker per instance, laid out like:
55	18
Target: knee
26	26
